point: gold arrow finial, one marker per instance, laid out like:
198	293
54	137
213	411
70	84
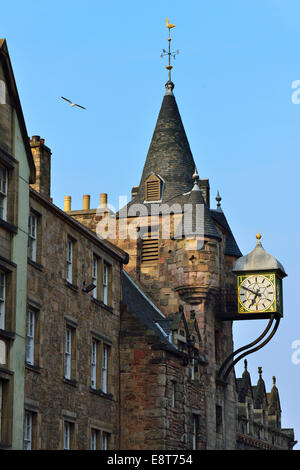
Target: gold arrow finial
258	236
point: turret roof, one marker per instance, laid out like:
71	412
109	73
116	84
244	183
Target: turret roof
170	157
169	154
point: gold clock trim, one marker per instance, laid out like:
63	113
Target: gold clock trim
272	308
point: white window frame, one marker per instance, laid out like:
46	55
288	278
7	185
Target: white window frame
94	364
67	435
2	299
95	276
104	375
28	430
30	334
68	353
105	438
105	283
94	438
3	192
32	236
69	261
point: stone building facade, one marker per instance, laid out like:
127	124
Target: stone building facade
116	343
71	373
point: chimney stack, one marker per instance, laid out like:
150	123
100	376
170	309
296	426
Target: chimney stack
42	160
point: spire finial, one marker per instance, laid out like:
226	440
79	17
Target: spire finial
169	84
245	364
260	372
274	380
258	237
218	199
196	181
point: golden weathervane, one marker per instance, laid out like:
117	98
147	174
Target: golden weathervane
169	53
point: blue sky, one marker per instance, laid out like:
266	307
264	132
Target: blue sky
233	85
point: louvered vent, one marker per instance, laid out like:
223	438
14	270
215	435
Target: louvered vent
149	250
153	190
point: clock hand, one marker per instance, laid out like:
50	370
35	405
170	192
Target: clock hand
256	294
252	291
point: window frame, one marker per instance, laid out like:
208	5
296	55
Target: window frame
195	420
67	427
105	440
32	237
94	439
3	192
105	282
69	259
30	338
28	438
94	364
104	367
95	280
3	301
68	353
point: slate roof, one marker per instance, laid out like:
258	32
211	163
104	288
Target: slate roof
169	154
231	246
144	309
193	198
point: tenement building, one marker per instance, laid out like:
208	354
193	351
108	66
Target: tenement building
72	327
112	333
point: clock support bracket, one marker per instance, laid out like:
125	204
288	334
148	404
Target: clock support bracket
229	363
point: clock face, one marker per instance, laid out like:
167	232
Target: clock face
256	293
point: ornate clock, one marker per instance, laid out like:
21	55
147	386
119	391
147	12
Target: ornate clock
259	284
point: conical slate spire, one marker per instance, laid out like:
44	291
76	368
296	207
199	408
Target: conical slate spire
169	154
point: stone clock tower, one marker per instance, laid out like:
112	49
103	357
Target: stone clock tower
189	269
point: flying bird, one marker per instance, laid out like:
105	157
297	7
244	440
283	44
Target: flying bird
169	25
73	104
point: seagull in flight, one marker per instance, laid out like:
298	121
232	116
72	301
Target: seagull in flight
73	104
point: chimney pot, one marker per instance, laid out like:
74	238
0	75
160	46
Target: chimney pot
86	202
103	200
67	203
